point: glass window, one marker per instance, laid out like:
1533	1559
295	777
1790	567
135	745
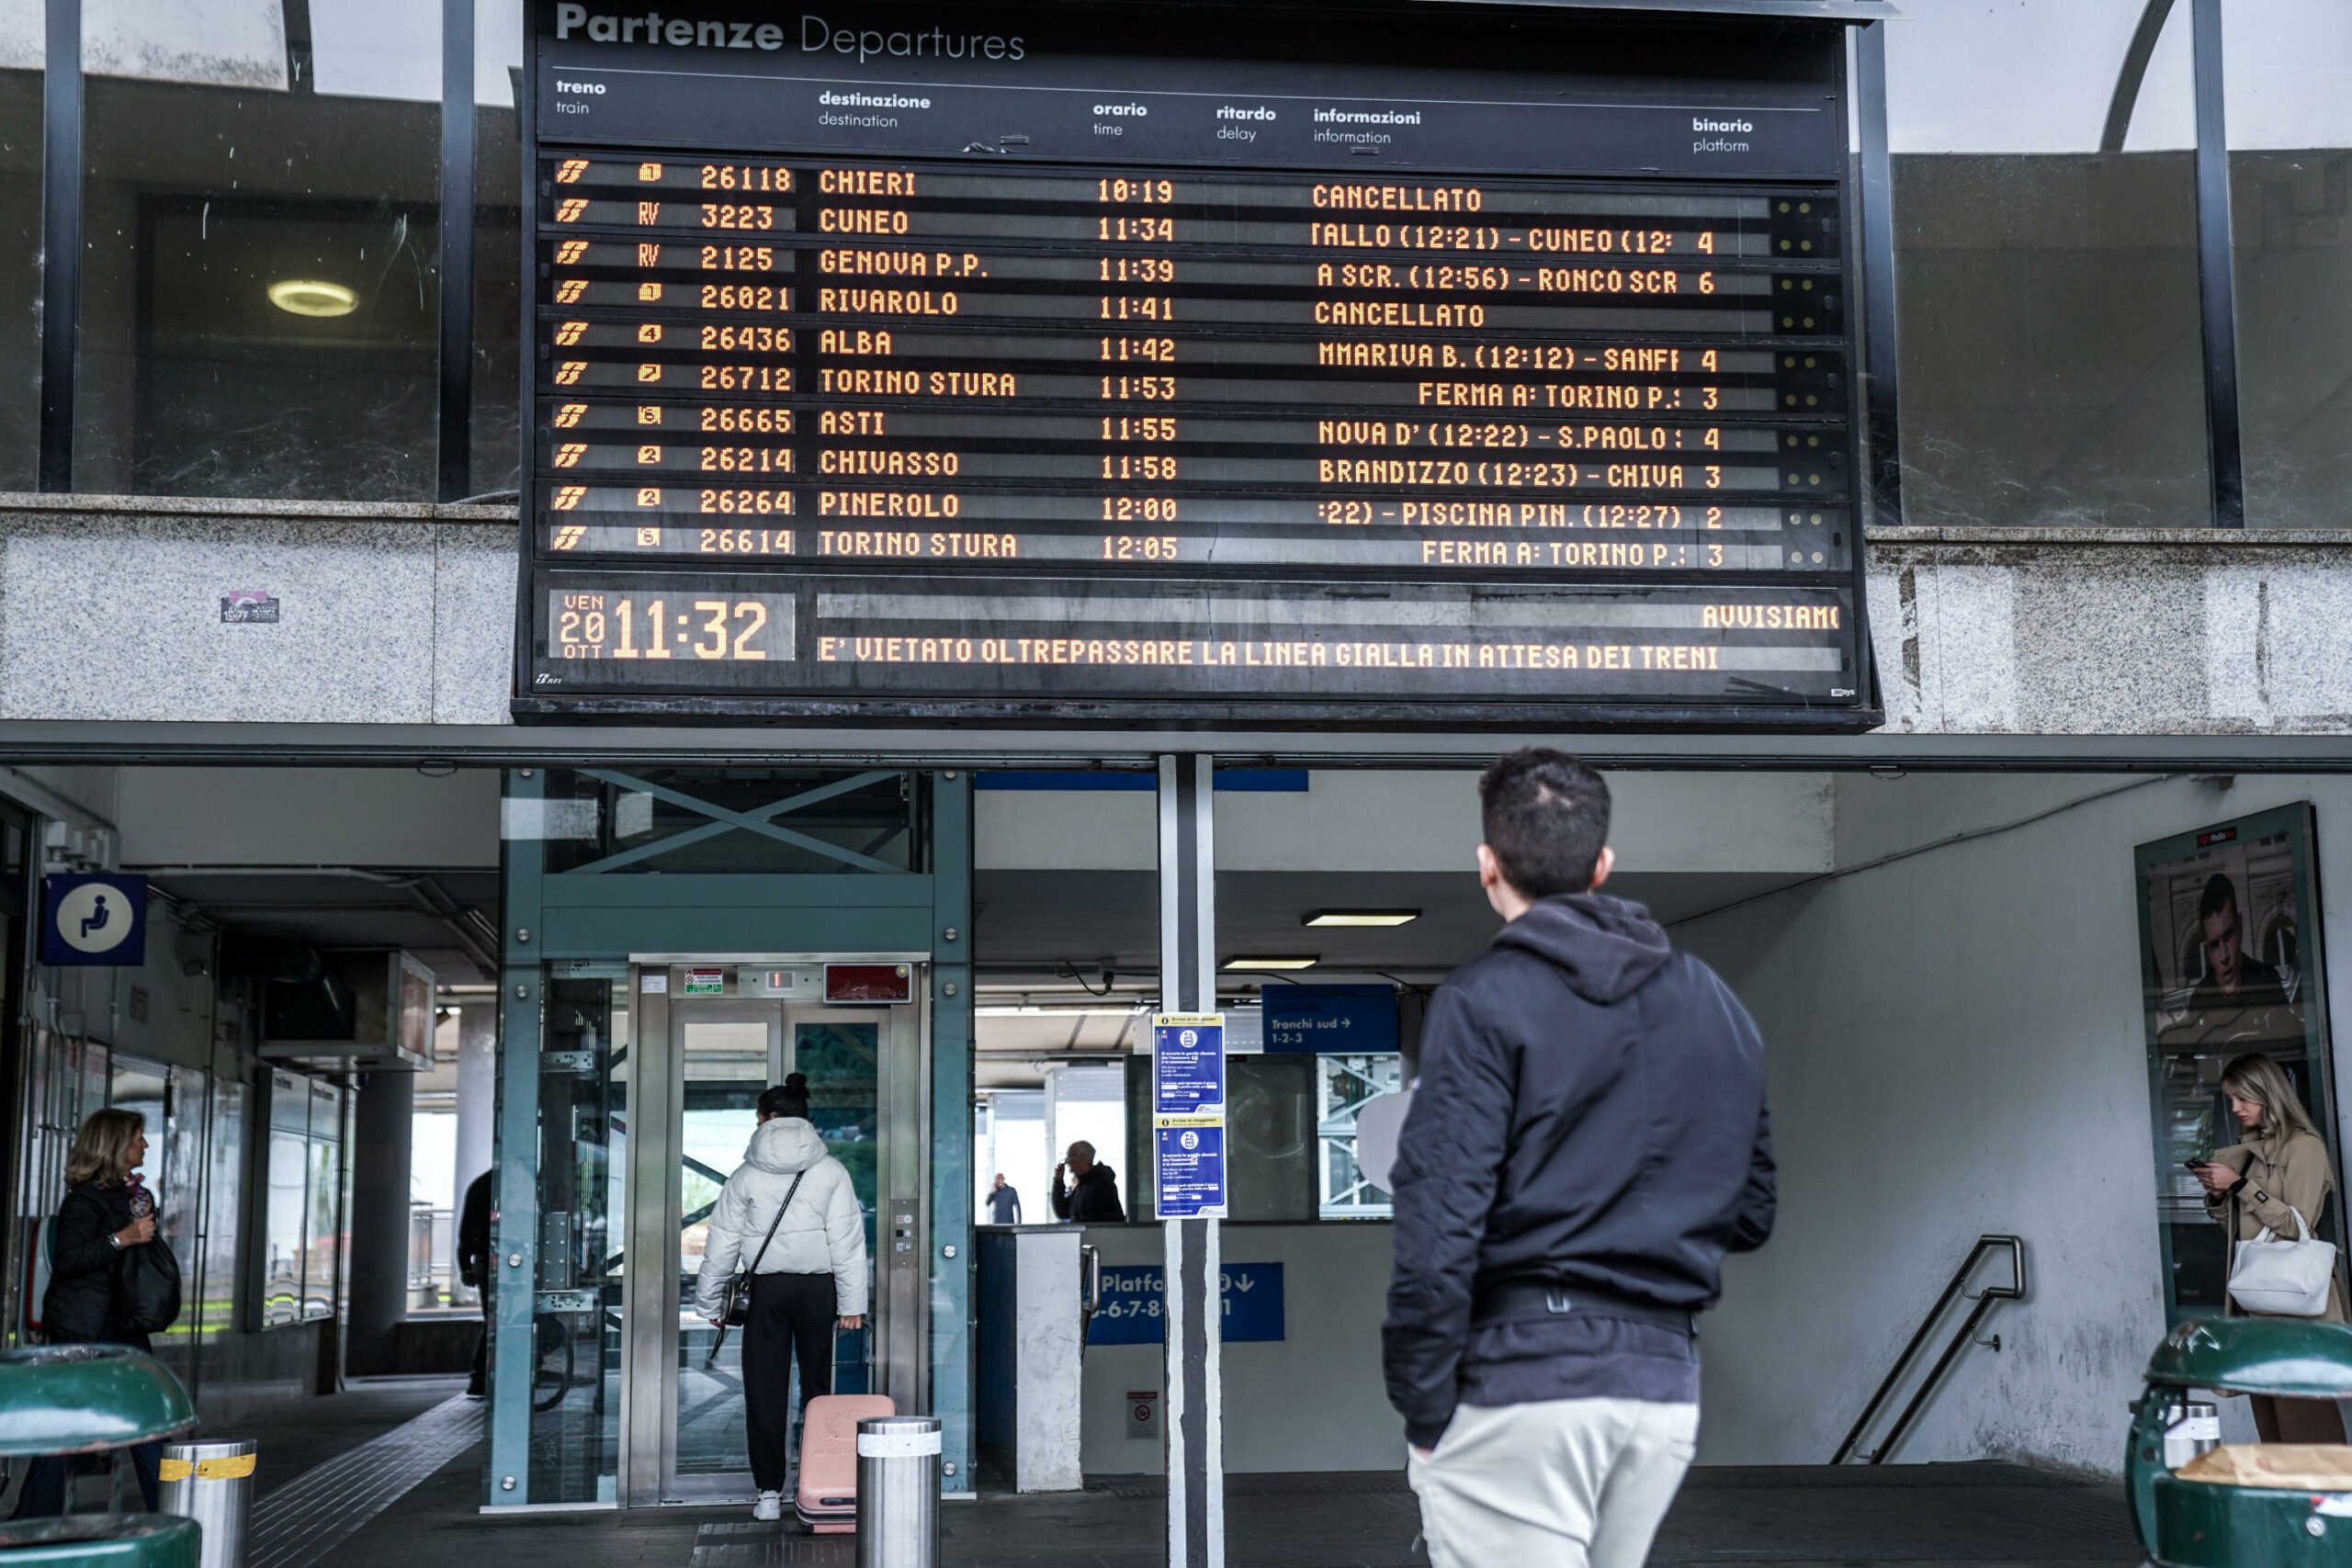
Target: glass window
21	143
2289	121
259	303
2050	356
498	245
289	1175
1346	1084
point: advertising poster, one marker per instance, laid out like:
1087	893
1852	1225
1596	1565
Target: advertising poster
2229	964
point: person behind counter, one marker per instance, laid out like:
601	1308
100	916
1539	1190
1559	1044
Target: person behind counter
1092	1195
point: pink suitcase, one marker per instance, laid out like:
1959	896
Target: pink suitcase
827	1502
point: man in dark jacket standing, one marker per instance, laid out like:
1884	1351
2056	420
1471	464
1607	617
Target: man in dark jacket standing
1588	1138
1092	1196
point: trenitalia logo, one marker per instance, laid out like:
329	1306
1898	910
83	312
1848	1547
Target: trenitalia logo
816	36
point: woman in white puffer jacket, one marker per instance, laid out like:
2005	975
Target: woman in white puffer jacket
811	1275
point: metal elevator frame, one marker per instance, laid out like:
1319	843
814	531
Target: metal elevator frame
598	914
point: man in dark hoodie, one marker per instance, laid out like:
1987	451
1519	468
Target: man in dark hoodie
1588	1138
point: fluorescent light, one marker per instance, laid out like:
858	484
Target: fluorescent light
1361	918
310	297
1035	1011
1246	963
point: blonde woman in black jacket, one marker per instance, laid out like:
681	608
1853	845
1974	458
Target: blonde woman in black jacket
98	1228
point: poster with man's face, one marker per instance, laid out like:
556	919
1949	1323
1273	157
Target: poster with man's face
2230	964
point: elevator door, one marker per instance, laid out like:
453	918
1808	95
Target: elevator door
724	1043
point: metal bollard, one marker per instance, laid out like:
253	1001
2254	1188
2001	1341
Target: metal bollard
212	1482
2192	1426
898	1492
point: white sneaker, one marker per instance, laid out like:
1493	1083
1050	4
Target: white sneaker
769	1508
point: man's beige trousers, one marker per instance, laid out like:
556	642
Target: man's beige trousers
1568	1483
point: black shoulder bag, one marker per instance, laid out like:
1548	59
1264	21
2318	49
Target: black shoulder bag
737	1290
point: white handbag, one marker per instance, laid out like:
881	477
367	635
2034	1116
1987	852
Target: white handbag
2283	1279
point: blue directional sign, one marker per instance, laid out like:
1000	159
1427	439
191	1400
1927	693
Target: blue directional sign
1132	1312
88	918
1187	1065
1331	1020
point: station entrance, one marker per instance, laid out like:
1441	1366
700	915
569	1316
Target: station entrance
676	946
717	1032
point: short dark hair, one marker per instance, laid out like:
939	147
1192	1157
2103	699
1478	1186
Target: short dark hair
1546	817
789	1097
2221	893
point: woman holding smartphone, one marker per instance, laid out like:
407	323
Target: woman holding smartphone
2281	1165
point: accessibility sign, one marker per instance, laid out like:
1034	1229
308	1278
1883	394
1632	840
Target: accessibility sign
88	918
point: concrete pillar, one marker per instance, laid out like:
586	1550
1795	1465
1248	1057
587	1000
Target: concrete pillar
476	1091
384	1121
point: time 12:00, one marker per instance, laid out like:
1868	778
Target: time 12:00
631	629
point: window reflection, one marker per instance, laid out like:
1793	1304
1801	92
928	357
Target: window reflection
2290	228
21	143
259	305
2046	267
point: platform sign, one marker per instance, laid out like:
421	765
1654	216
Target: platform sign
1128	363
90	920
1331	1020
1250	1297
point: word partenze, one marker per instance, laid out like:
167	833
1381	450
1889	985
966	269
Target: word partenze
817	35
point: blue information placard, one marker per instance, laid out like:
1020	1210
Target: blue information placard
88	918
1187	1065
1191	1172
1331	1020
1132	1312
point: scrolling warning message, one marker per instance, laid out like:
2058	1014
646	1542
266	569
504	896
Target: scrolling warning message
1063	363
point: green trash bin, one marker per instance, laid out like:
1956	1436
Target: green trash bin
80	1399
2201	1524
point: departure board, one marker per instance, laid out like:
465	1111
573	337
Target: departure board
1383	367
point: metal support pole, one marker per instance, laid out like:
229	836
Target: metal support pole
1188	985
513	1270
2216	272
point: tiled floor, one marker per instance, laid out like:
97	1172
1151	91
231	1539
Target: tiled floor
1948	1515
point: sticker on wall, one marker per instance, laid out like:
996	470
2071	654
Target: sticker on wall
88	918
248	607
704	983
1143	1412
654	983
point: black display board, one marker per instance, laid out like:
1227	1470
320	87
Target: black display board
1188	365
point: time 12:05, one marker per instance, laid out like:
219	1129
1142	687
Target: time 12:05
619	625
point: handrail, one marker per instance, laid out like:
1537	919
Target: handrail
1983	1300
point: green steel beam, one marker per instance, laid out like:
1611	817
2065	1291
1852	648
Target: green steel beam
950	942
516	1233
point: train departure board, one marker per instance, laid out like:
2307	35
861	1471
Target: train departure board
1370	367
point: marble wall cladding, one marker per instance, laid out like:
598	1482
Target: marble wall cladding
112	609
2112	631
140	614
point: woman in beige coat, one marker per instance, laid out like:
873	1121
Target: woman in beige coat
2282	1166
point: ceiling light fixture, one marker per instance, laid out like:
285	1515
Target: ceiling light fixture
1361	918
310	297
1247	964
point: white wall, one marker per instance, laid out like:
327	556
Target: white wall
1370	819
1956	1047
1311	1401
